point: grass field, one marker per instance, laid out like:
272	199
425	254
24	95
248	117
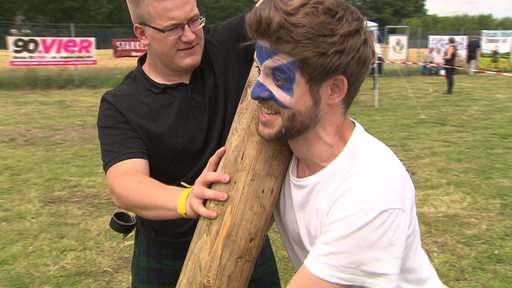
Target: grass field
110	71
55	206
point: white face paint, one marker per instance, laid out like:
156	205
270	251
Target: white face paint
287	109
278	73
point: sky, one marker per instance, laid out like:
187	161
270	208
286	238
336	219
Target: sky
498	8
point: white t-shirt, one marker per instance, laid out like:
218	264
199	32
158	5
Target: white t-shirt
354	222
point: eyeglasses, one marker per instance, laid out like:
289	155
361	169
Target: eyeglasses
178	29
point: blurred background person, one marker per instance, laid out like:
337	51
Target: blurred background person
473	54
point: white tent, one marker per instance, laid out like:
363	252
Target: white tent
374	27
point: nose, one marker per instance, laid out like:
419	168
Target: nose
260	92
187	34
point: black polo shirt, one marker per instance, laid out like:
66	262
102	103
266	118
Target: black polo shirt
177	127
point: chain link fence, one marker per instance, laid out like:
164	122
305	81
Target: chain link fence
103	33
418	38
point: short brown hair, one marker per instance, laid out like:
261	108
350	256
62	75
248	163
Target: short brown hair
327	37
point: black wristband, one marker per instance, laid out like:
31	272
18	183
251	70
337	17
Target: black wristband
123	223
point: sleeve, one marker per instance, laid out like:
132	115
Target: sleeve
363	248
232	28
118	139
230	36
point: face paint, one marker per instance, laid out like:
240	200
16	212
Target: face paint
277	77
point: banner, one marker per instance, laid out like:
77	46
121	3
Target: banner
51	51
500	40
441	41
397	47
127	47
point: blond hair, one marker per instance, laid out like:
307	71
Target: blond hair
139	12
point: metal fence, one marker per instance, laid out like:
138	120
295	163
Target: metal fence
418	38
103	33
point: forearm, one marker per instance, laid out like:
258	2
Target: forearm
133	189
305	279
145	196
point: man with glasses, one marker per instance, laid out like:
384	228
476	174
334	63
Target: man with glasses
160	126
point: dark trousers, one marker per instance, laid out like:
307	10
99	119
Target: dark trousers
154	266
449	78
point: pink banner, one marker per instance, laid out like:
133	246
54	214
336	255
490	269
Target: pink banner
51	51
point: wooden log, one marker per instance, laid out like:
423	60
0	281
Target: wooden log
223	251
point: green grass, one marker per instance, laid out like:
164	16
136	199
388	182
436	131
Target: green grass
55	205
66	77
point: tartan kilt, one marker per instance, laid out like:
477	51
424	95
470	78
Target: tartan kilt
154	266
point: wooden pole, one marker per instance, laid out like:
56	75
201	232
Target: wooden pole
223	251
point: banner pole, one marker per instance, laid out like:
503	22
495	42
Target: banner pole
72	32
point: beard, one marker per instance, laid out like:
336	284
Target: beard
295	123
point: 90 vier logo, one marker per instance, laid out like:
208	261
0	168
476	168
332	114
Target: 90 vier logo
52	45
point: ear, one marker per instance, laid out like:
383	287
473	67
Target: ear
337	89
140	32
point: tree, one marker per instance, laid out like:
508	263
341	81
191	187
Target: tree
102	11
390	12
459	24
56	11
218	10
10	9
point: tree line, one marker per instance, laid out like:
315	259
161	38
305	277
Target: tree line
411	13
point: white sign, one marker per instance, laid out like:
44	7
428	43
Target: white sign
496	39
397	47
441	41
51	51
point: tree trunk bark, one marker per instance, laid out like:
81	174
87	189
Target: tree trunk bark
223	251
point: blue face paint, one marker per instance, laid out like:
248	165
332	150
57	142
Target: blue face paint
277	77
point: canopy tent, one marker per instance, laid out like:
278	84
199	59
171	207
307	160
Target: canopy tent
374	27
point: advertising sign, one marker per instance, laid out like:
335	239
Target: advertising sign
51	51
441	41
127	47
500	40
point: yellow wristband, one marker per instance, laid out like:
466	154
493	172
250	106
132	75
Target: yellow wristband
181	206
